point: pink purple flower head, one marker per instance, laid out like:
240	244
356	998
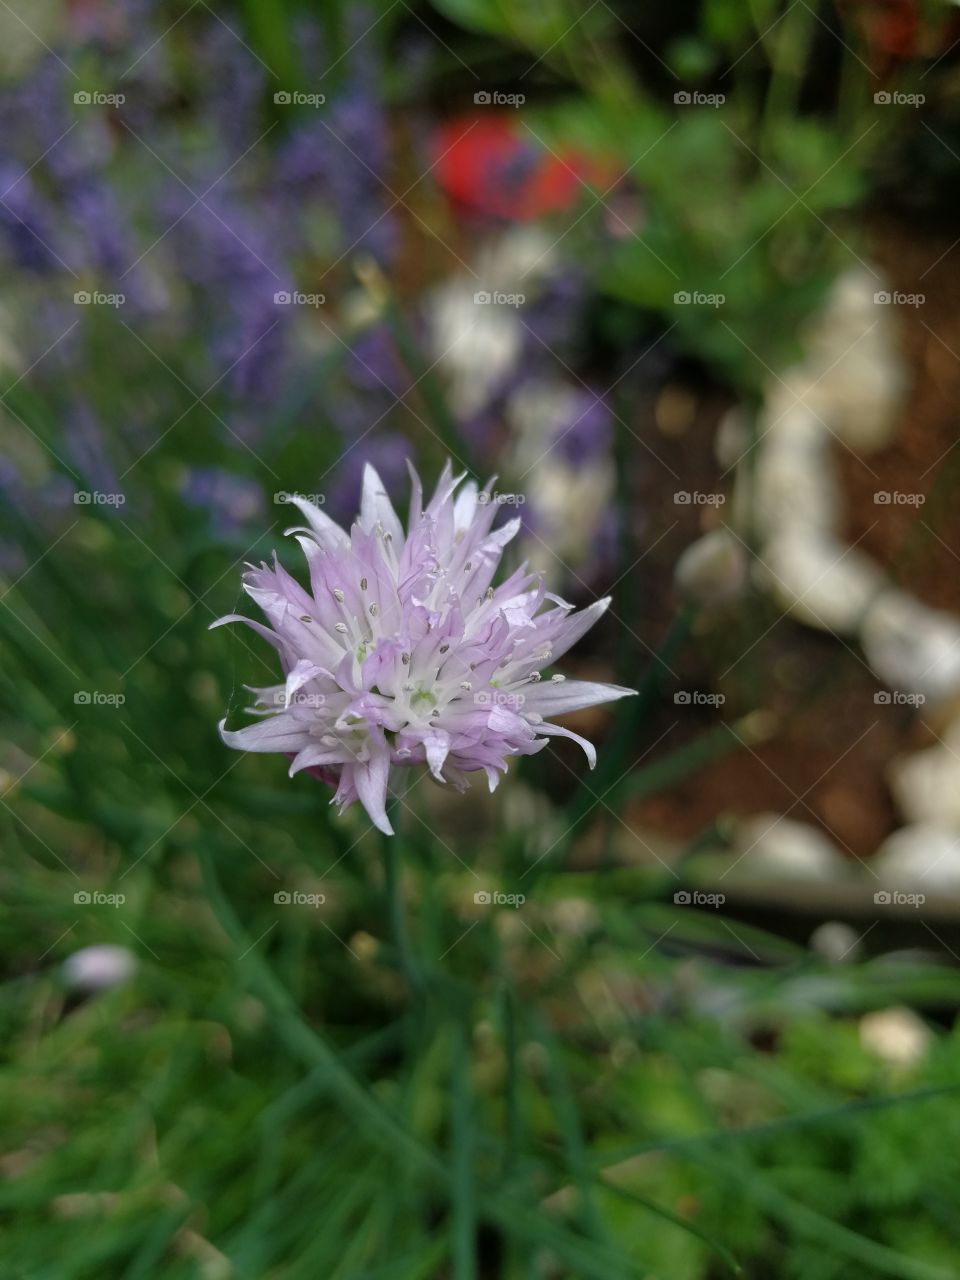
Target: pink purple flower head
404	652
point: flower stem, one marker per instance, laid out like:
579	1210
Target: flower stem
392	851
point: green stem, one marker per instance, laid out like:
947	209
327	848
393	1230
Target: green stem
307	1044
392	860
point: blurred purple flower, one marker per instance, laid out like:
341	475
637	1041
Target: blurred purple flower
28	223
374	363
234	81
587	432
554	315
231	500
340	155
86	446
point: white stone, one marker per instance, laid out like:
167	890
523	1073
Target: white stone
912	648
920	858
820	580
712	570
926	786
794	484
836	941
770	844
855	361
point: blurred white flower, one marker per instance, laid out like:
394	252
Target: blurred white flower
479	346
567	499
99	967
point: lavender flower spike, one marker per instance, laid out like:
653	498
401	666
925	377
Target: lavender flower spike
403	653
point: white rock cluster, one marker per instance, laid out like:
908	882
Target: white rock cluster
846	393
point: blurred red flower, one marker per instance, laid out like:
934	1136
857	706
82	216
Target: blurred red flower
492	166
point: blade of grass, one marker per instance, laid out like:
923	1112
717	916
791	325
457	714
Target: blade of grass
462	1189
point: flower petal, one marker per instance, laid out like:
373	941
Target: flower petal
558	731
376	507
327	532
278	733
302	674
315	754
370	778
437	747
576	625
554	698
